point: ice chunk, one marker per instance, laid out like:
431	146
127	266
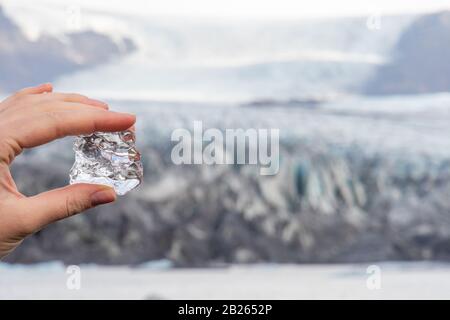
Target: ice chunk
107	158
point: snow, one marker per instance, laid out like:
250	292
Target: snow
419	280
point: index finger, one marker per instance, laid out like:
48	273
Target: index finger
49	126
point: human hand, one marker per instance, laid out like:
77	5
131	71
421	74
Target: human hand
35	116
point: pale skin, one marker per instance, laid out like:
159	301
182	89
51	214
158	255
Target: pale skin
35	116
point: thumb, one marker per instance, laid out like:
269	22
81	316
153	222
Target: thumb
62	203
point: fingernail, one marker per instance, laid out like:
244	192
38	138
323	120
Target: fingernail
102	197
98	103
130	115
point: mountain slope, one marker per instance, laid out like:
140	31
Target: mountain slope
24	62
421	63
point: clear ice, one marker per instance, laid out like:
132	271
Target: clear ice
108	158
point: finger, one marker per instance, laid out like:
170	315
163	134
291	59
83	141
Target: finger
77	98
54	106
38	211
53	125
42	88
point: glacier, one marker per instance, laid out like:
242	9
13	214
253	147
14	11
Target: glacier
361	179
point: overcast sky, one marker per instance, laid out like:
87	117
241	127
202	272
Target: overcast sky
252	8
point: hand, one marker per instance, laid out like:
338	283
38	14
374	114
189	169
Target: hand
35	116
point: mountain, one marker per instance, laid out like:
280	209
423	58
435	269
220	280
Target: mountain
421	61
24	62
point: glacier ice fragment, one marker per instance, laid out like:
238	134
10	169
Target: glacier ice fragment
108	158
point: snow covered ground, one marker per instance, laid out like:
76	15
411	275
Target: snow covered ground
346	281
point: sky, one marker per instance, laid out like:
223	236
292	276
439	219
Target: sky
251	8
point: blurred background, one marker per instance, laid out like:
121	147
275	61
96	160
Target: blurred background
359	91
